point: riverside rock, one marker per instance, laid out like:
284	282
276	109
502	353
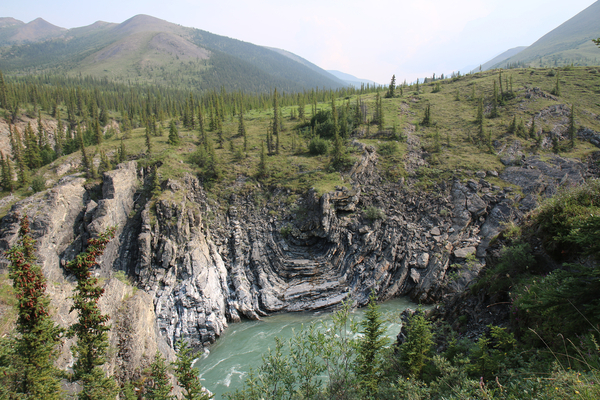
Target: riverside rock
195	264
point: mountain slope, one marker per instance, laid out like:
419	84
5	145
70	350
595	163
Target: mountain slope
350	79
570	43
501	57
148	50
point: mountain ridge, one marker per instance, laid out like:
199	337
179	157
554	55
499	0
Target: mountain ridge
569	43
188	58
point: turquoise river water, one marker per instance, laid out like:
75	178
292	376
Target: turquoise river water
224	367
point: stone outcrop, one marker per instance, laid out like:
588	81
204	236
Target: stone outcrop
197	264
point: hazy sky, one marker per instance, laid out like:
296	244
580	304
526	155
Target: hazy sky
368	39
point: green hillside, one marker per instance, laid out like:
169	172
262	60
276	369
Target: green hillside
149	51
452	142
568	44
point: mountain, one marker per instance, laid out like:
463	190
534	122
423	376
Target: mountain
350	79
500	57
570	43
149	50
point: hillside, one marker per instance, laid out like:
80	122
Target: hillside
499	58
569	43
147	50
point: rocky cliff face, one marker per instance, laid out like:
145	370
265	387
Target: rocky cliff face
197	264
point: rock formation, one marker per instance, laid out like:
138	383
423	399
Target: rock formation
194	264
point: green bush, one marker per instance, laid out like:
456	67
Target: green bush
388	149
374	213
318	146
38	183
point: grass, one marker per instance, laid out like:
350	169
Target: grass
458	154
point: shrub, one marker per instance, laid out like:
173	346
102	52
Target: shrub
374	213
388	148
318	146
38	184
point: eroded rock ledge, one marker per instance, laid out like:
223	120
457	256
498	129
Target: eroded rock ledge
197	265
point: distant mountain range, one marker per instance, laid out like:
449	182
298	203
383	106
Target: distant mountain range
148	50
350	79
570	43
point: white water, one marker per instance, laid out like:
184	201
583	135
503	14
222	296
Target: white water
224	368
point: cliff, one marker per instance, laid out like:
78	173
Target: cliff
195	263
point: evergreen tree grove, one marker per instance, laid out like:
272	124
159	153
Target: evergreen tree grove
90	329
36	377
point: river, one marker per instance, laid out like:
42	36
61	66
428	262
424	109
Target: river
224	367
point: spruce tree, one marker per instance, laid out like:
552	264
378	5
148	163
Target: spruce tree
7	174
91	329
369	362
58	135
275	125
3	96
494	112
572	131
532	128
122	151
479	117
158	386
173	134
149	142
416	351
36	377
391	89
262	171
187	377
427	116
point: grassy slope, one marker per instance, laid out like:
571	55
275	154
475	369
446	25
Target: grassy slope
298	170
568	43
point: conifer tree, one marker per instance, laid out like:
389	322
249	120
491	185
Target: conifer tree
513	125
301	112
58	135
262	165
187	377
91	329
494	112
532	128
158	387
415	352
479	117
379	112
369	363
36	377
556	90
88	164
173	134
3	96
275	125
7	174
149	142
98	131
122	152
572	131
427	116
391	89
242	128
201	125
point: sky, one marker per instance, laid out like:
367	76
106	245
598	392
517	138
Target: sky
372	39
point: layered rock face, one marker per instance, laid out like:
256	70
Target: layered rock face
199	264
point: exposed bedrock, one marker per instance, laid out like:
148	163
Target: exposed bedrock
198	264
